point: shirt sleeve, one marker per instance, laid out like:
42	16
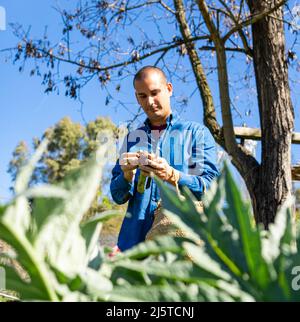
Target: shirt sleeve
203	168
121	190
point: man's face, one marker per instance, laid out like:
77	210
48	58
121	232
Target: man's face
153	94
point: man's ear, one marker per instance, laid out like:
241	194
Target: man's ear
170	88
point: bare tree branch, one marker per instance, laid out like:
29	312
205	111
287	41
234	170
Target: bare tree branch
248	50
253	20
241	157
50	54
166	7
210	118
229	137
232	49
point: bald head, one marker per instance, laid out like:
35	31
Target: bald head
153	93
144	72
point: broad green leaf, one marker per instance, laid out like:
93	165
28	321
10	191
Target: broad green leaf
220	234
58	220
237	263
26	290
91	228
45	191
280	234
178	292
121	274
202	260
76	297
90	282
161	293
183	271
102	217
2	210
90	232
278	245
97	285
238	215
160	245
18	215
74	283
26	255
186	217
219	228
234	291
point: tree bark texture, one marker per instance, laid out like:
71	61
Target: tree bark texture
273	184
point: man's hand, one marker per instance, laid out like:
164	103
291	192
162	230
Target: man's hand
158	166
129	162
149	164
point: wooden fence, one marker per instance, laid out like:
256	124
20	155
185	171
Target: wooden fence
248	133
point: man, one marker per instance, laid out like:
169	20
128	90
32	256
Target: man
180	153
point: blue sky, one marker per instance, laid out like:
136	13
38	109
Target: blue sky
26	111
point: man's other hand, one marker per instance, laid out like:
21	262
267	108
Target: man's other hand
129	162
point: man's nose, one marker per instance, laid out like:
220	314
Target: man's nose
150	100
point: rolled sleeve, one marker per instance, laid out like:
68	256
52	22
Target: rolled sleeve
121	190
195	183
204	169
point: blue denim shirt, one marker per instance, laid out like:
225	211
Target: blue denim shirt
188	147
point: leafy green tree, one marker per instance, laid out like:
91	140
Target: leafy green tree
20	155
70	144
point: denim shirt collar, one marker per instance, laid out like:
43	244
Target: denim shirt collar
172	118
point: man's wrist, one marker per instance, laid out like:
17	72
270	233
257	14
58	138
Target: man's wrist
173	176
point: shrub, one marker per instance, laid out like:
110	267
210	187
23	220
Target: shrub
64	262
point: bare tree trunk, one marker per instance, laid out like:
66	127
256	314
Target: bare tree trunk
268	183
274	182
